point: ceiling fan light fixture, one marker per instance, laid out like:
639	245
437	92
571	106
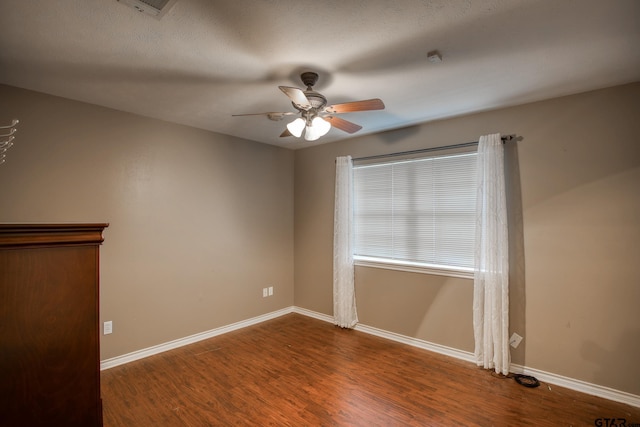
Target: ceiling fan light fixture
318	128
296	127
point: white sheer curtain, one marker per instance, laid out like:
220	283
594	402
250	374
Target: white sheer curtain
491	281
344	295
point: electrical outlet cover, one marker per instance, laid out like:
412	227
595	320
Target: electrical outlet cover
515	340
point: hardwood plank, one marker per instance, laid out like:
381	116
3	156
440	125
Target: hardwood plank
298	371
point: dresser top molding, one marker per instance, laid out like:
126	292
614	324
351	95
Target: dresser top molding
15	236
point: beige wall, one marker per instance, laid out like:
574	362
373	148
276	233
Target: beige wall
199	222
575	232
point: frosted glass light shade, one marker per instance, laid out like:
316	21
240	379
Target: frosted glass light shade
318	128
296	127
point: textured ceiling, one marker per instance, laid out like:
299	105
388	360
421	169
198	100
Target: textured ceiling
205	60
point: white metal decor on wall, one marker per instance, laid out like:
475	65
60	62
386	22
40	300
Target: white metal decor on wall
6	139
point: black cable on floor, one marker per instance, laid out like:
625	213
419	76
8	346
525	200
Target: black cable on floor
526	380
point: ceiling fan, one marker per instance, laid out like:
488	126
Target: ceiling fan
316	117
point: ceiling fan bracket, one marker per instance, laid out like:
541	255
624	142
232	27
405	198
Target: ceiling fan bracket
309	78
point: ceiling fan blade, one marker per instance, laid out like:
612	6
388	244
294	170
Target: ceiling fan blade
273	115
351	107
342	124
296	96
285	133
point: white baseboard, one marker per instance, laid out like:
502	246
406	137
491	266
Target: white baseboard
547	377
314	314
578	385
415	342
436	348
156	349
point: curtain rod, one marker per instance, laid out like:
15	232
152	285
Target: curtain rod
505	138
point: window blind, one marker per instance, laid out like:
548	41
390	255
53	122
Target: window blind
418	211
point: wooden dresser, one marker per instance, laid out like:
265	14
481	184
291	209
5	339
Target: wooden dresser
49	332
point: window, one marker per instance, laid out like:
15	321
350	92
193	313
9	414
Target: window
417	214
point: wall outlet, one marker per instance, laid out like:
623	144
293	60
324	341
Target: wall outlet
108	327
265	292
515	340
270	290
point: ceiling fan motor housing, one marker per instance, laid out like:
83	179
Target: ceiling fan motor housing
317	100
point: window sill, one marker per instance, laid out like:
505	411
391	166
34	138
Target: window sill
414	267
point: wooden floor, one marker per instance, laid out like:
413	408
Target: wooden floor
299	371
